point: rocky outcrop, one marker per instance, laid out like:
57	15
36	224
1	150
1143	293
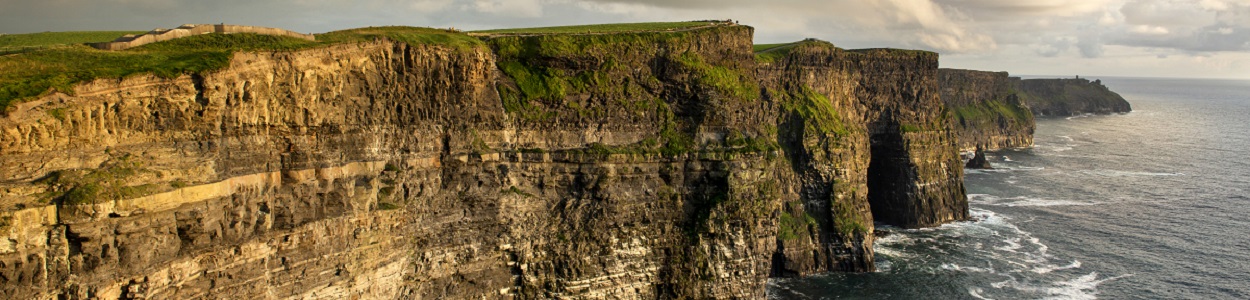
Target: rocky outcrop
1070	97
978	161
988	109
640	165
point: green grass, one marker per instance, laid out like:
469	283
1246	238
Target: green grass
109	182
543	81
387	206
16	43
600	28
892	51
910	128
772	52
516	191
34	73
815	109
726	81
845	220
766	47
404	34
793	227
992	110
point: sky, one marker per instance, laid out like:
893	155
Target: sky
1138	38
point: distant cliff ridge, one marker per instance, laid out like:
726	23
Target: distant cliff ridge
406	163
994	111
1072	96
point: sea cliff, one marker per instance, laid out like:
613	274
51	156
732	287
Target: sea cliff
992	110
673	164
988	109
1071	96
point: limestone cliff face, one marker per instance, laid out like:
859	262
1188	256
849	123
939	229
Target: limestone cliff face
877	149
1070	97
267	179
987	108
647	165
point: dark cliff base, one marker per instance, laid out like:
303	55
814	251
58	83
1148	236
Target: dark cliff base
675	164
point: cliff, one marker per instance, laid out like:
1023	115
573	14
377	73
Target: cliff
1070	97
633	165
989	109
865	133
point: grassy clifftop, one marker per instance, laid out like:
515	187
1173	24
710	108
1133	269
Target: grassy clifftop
602	28
58	61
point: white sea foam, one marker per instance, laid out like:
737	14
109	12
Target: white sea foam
1022	259
956	267
1119	173
1002	168
1021	201
1051	268
976	293
1085	115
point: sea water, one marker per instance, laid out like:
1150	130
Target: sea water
1152	204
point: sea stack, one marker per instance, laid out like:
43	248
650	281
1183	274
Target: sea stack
978	161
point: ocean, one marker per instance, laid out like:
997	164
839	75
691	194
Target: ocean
1151	204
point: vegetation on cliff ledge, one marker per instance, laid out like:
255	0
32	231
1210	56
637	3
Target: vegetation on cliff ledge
990	111
111	181
815	109
768	53
59	67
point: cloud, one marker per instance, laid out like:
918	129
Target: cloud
522	8
429	6
1091	46
1202	26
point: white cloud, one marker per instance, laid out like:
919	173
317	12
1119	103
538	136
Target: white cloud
1152	30
522	8
429	6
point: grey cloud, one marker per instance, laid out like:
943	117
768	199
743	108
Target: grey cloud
1185	26
1091	46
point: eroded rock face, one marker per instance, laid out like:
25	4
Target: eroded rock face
988	109
671	168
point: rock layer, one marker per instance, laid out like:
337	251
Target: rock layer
656	165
